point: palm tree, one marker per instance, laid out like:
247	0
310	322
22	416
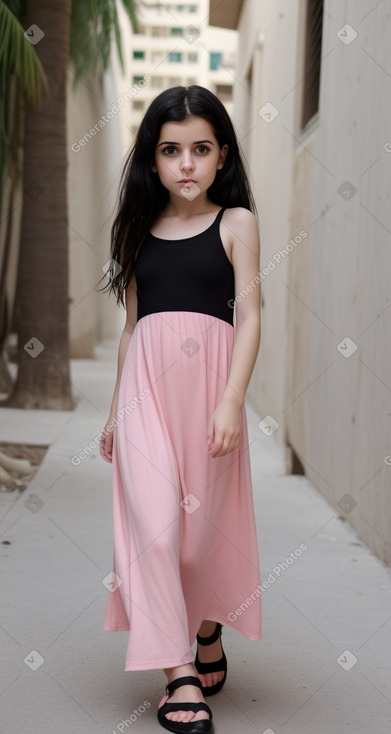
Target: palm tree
21	77
82	31
43	379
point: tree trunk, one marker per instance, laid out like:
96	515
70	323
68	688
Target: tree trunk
43	379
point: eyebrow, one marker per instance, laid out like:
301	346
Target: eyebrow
196	142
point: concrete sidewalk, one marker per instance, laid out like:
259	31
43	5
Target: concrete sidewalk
322	666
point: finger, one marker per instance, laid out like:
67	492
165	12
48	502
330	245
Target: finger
234	443
228	444
214	446
212	427
104	452
217	446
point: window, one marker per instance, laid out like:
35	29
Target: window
157	56
159	31
156	82
174	81
176	31
192	8
138	104
215	60
138	79
312	60
192	57
175	56
138	54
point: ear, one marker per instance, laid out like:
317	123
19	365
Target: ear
154	168
223	155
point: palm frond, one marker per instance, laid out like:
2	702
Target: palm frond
130	8
92	24
18	62
17	55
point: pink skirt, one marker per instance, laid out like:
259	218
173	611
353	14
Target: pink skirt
185	542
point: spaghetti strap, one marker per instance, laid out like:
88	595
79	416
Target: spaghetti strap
220	214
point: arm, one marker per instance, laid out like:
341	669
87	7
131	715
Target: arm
224	425
246	262
106	442
122	349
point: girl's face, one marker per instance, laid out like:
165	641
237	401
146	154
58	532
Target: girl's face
187	157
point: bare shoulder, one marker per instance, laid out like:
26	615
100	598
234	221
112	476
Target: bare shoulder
241	222
242	228
240	215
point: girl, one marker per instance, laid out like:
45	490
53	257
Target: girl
184	244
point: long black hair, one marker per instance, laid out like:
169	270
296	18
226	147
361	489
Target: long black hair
142	196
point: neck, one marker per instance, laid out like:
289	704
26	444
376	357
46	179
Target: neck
182	208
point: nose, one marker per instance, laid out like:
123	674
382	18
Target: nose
187	161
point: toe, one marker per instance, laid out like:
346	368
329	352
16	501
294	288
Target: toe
210	679
184	716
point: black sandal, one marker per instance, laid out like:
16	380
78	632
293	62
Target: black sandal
218	666
201	726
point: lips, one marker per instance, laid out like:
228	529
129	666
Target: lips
186	180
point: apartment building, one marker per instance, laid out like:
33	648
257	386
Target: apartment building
176	46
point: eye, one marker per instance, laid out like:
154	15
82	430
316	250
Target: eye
168	149
204	148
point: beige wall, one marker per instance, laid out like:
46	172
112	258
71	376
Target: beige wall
270	153
92	174
351	273
334	412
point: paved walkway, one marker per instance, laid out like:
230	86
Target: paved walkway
323	664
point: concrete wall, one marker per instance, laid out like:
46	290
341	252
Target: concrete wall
265	37
93	171
333	410
350	400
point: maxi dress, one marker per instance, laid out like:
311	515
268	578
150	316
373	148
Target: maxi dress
184	534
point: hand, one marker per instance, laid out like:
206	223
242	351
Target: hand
224	429
106	443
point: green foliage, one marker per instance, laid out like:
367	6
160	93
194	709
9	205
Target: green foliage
92	24
17	55
22	74
19	67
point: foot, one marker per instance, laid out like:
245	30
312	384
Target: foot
209	653
184	694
